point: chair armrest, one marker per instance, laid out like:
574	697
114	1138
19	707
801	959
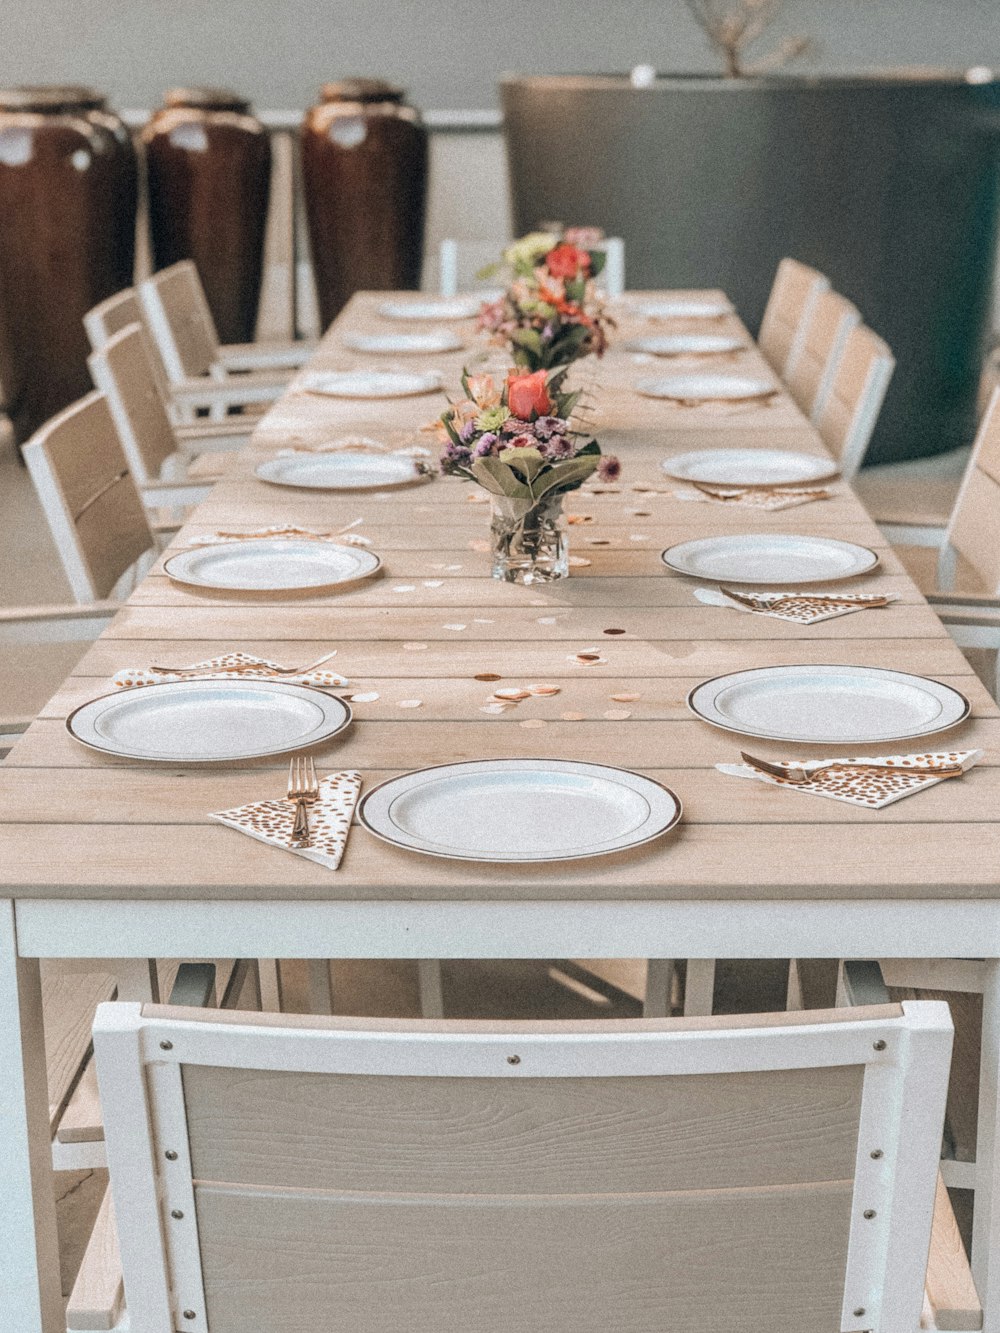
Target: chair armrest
961	613
950	1291
55	624
194	986
907	534
194	393
261	356
33	615
985	604
864	984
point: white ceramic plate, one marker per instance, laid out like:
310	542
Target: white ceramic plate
688	344
707	388
776	557
439	307
518	810
272	565
340	472
681	307
749	467
208	721
442	340
370	383
828	705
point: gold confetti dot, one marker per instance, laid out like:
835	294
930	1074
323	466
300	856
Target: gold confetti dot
617	714
512	692
598	541
641	513
532	723
543	691
487	675
615	631
579	518
411	703
414	647
572	717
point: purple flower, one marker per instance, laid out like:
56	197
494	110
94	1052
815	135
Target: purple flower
609	468
456	454
516	426
558	446
468	432
487	444
546	427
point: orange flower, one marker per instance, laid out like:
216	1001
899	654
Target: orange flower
528	394
483	389
567	262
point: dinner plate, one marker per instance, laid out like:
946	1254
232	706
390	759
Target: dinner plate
519	810
208	721
707	388
272	565
749	467
772	557
441	307
688	344
828	705
370	383
682	307
346	471
442	340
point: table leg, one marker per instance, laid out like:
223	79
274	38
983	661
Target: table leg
986	1217
29	1246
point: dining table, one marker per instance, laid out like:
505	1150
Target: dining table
117	860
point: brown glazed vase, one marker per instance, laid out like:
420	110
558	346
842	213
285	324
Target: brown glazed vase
67	223
208	168
364	170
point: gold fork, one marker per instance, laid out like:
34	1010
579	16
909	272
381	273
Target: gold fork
806	772
303	789
246	666
760	604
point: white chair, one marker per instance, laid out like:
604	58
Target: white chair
458	266
181	322
794	293
769	1172
187	396
157	451
850	411
811	377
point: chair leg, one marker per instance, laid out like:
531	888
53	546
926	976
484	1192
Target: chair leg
431	988
699	991
320	990
269	973
794	999
659	983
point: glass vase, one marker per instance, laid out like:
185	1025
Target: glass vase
528	540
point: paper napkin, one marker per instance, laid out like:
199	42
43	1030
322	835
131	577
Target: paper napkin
872	790
229	666
329	820
801	608
744	497
296	534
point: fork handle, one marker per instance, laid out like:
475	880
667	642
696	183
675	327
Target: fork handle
300	828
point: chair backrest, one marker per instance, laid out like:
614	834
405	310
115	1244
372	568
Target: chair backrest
811	378
974	527
180	321
103	321
90	501
356	1176
123	371
794	292
848	416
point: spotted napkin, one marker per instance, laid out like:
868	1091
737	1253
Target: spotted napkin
866	788
299	534
229	666
329	820
801	608
353	444
747	497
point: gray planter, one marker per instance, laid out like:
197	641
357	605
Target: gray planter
888	184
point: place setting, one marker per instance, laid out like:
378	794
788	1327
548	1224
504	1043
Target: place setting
708	390
372	384
274	566
767	558
431	342
438	307
768	479
682	307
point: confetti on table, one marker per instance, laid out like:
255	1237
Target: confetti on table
625	698
487	675
532	723
579	518
641	513
548	620
411	703
494	709
615	631
414	647
638	537
368	697
598	541
578	561
544	691
617	714
455	627
433	583
572	717
405	587
482	620
512	693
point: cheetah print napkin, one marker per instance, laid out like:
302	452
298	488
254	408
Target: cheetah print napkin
229	666
739	497
329	820
868	789
801	608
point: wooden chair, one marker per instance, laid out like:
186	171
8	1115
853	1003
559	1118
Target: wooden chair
158	452
849	413
357	1176
186	397
811	378
794	293
181	323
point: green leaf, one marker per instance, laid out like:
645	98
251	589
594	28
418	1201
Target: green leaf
528	338
497	478
566	476
598	259
526	463
489	270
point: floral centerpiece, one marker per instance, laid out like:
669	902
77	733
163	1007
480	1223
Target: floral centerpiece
514	439
549	314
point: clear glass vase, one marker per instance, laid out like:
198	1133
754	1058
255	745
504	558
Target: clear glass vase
529	541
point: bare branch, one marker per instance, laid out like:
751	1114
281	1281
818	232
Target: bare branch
733	26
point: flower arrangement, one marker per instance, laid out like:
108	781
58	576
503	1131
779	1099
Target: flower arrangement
549	314
514	440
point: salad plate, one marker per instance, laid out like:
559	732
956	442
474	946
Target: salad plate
370	383
707	388
519	810
208	721
429	343
772	557
272	565
688	344
749	467
828	705
347	471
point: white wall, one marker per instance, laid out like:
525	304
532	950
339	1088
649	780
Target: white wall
449	53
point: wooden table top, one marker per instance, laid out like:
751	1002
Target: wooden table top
77	824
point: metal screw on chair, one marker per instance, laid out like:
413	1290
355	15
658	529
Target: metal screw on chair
878	1045
513	1059
170	1155
859	1312
166	1045
876	1153
868	1214
189	1314
176	1214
